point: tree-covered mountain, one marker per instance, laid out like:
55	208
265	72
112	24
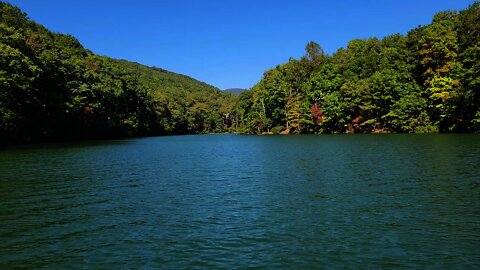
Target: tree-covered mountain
52	88
425	81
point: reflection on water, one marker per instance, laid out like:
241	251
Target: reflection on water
243	201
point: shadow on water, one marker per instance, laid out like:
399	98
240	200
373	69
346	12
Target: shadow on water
70	144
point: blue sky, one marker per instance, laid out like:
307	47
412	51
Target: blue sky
226	43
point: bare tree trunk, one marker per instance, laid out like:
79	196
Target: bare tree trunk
286	116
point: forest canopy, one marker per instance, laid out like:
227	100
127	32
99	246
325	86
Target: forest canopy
425	81
52	88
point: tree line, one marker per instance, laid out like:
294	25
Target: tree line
425	81
52	88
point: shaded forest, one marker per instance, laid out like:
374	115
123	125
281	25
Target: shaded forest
52	88
425	81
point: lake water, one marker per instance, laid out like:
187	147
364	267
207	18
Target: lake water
233	201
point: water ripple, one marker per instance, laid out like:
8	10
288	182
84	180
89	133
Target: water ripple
225	201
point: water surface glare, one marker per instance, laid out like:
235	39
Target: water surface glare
233	201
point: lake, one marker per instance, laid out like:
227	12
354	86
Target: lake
234	201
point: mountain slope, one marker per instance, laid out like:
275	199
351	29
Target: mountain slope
52	88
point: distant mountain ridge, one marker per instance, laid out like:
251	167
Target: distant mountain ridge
235	91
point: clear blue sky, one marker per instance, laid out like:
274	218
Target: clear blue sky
226	43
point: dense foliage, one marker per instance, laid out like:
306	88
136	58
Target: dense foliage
52	88
426	81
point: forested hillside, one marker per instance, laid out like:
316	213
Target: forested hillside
426	81
52	88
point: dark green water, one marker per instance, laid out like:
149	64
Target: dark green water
231	201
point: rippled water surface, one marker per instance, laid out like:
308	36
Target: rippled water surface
232	201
